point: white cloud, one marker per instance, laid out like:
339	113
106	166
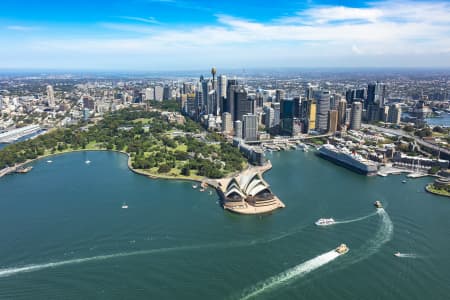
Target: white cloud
150	20
383	29
21	28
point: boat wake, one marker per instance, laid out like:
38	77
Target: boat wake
407	255
295	272
6	272
383	235
356	220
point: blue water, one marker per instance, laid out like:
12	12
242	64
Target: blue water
64	235
443	120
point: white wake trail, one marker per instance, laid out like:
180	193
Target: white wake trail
408	255
295	272
6	272
357	219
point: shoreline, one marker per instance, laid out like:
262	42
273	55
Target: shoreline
427	188
12	169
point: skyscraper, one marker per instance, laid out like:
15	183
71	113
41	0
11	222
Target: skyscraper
227	123
342	106
242	103
50	96
395	112
323	106
269	118
232	85
250	127
238	129
277	112
332	121
158	93
356	115
279	95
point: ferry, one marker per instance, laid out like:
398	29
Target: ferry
342	249
378	204
398	254
325	222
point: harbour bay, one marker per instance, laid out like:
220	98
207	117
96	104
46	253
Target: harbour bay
65	235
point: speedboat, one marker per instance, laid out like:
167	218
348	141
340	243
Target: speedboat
194	186
202	190
87	162
325	222
124	205
378	204
342	249
397	254
403	181
49	161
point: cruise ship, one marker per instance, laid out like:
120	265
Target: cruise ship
345	158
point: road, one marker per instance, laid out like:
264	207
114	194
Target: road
402	133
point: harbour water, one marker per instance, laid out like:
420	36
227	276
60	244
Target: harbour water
65	235
443	120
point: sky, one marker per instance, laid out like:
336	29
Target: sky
191	35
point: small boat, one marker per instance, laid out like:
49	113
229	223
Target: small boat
124	205
210	192
87	161
342	249
49	161
194	186
403	181
378	204
202	190
24	170
325	222
398	254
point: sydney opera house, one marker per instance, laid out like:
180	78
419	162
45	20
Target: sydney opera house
248	193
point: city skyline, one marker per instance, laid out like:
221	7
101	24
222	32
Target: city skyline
169	35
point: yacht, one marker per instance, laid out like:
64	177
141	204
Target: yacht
325	222
378	204
342	249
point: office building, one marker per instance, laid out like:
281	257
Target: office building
159	91
250	127
323	106
395	112
238	129
332	121
227	123
50	96
356	115
342	106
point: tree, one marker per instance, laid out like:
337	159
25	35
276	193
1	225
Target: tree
164	168
186	171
